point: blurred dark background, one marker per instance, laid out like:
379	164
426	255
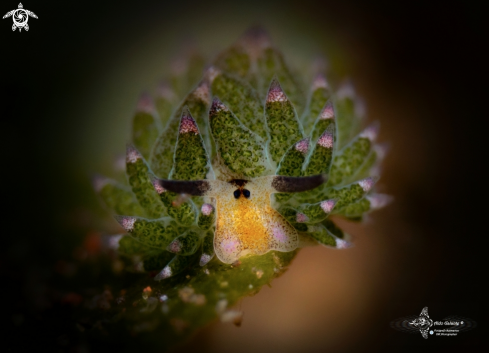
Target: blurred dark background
68	89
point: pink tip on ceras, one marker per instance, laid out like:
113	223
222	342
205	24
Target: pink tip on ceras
302	146
328	205
275	93
203	92
145	104
301	218
211	73
327	112
217	107
346	90
378	201
187	123
326	140
370	132
175	246
164	91
98	182
126	222
319	82
207	209
204	259
165	273
132	154
159	189
342	244
366	184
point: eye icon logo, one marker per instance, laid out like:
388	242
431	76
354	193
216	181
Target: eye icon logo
423	322
20	17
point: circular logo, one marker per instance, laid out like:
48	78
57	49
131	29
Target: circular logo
431	332
20	17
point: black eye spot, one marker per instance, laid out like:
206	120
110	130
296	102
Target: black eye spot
246	193
236	194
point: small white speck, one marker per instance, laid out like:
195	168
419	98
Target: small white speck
163	298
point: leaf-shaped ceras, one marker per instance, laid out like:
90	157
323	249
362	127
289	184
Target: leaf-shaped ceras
247	224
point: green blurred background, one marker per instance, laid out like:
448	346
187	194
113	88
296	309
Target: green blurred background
69	87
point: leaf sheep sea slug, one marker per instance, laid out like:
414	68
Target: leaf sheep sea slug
242	164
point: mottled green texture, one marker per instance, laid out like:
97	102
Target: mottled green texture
183	211
319	161
292	161
356	209
240	149
242	100
118	198
161	160
346	119
186	243
317	101
153	233
284	127
320	126
290	214
130	246
138	174
370	162
323	121
234	60
314	212
345	195
190	161
271	64
321	234
349	160
206	221
333	228
145	130
208	248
